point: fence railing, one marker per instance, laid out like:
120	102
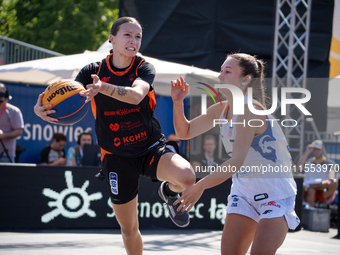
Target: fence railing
13	51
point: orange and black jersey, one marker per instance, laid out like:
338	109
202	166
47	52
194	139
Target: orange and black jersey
123	129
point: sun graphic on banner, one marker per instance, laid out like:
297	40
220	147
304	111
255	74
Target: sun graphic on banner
72	202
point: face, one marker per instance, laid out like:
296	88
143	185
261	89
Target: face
128	40
3	100
209	146
58	146
231	73
85	139
318	152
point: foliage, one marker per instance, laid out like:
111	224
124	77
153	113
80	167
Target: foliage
65	26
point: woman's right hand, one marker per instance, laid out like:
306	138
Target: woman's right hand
179	89
40	110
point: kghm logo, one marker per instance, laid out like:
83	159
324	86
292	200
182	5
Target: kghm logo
204	97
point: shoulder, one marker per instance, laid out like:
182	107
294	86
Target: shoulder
84	75
12	108
329	161
91	67
146	68
46	149
218	110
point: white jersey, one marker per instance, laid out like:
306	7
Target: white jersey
266	171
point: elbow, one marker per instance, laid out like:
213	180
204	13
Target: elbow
183	137
183	134
136	100
20	132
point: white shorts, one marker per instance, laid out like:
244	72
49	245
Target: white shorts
264	209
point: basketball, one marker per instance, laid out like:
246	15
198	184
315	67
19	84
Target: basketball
64	97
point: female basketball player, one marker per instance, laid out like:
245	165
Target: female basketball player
120	88
260	206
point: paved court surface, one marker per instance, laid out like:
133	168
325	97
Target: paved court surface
158	241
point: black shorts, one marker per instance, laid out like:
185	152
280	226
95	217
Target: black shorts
123	173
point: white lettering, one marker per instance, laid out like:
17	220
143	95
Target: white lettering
296	101
157	210
27	131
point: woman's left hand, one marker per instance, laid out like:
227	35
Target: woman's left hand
189	197
92	89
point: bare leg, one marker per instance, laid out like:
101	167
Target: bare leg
269	236
176	170
127	217
331	186
310	196
238	233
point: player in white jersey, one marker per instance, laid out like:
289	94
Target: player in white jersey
261	204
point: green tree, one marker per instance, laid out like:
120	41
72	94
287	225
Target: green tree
65	26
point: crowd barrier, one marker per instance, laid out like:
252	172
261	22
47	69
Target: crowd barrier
50	197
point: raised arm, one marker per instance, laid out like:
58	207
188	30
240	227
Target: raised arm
184	128
300	165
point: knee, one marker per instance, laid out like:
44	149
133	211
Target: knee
188	178
333	184
129	231
310	192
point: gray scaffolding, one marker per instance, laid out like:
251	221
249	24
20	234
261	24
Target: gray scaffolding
290	61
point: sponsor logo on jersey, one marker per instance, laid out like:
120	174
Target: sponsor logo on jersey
116	142
114	183
132	77
122	112
132	139
105	79
152	160
273	203
127	140
267	211
128	125
114	127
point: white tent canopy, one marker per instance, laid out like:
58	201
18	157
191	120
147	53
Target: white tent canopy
334	92
48	70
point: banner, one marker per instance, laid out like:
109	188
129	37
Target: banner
47	197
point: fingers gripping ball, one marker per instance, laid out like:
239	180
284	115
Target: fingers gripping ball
64	97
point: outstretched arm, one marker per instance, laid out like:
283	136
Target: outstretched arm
132	95
244	137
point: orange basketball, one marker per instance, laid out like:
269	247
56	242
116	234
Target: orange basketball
64	97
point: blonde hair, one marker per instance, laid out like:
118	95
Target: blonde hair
252	66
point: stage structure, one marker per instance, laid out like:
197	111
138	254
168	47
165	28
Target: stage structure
290	61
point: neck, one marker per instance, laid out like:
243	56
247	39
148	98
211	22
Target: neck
121	62
209	155
229	97
3	105
320	158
